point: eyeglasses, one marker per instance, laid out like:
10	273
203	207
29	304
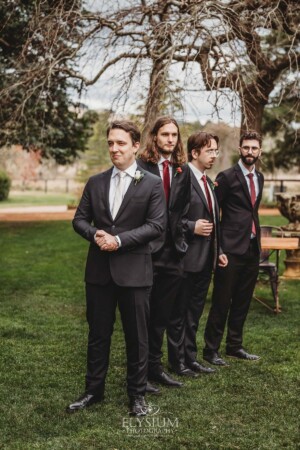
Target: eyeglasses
253	149
215	153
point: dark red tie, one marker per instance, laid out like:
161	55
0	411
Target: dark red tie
253	197
166	178
208	196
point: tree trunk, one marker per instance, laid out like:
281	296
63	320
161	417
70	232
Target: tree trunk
252	113
155	95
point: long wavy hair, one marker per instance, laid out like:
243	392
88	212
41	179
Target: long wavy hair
150	152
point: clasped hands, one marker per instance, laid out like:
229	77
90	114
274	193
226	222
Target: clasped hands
107	242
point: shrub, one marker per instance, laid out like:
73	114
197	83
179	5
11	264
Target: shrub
5	183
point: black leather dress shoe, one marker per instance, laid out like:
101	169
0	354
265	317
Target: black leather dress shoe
197	367
165	379
183	371
215	358
84	401
137	406
150	389
242	354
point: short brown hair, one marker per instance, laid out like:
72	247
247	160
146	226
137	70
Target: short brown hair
199	140
250	134
150	153
127	126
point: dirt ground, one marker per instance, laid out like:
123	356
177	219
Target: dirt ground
69	214
36	216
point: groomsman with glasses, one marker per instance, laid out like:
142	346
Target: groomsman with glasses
202	256
239	192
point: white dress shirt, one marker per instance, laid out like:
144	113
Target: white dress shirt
161	168
130	172
198	174
245	173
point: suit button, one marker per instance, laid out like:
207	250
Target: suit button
113	227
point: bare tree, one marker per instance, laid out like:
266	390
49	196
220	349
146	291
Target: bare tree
246	47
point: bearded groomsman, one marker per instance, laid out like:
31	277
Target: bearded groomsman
239	192
202	256
164	156
120	212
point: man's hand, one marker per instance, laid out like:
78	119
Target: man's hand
107	242
203	227
223	261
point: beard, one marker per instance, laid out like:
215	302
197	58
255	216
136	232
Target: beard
246	159
165	152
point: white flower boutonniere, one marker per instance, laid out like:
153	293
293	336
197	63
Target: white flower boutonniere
138	176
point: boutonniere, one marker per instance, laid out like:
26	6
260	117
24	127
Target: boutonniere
214	185
177	171
138	176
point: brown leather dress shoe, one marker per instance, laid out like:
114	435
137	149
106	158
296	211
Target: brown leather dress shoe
242	354
137	406
84	401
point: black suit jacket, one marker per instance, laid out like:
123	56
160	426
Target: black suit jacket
176	210
200	247
140	219
237	212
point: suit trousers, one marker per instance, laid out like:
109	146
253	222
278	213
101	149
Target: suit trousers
188	309
232	294
165	288
133	304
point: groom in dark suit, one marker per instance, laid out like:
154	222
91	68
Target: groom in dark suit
120	212
239	192
164	156
201	258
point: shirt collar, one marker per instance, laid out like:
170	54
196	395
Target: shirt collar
162	159
198	174
244	170
129	171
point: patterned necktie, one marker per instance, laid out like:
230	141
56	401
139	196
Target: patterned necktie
253	198
208	196
119	193
166	179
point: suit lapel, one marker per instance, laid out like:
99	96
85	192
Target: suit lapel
198	189
243	182
107	178
129	193
216	207
260	185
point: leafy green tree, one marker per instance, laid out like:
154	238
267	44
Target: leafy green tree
96	157
35	107
283	123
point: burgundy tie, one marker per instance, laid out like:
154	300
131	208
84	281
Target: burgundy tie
208	196
253	197
166	179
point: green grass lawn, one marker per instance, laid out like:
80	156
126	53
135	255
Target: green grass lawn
36	198
43	353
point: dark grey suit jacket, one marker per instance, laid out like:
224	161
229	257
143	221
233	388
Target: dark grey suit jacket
237	211
200	247
177	208
141	218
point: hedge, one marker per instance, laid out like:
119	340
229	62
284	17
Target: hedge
5	183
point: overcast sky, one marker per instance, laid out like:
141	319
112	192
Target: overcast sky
197	104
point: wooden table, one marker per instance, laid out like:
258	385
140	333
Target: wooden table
277	244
